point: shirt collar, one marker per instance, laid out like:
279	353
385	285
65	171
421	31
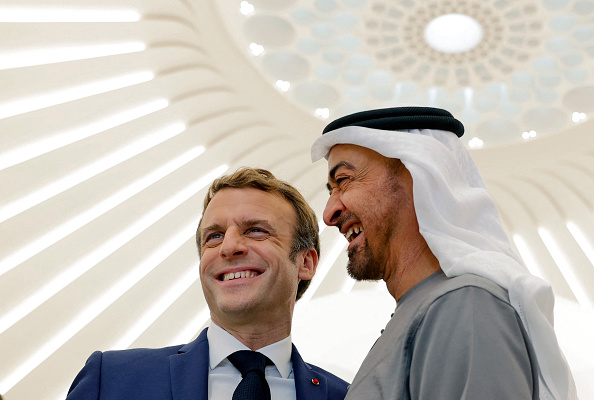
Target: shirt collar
221	344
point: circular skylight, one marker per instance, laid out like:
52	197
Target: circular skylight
453	33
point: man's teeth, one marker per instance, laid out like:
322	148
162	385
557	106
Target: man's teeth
241	274
355	229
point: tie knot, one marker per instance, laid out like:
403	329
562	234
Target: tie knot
247	360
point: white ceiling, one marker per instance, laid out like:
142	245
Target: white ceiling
531	70
113	123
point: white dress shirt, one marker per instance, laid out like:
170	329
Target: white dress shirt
223	377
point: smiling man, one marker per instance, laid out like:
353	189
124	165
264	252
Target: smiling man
259	246
470	321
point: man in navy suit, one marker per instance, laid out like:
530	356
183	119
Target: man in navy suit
259	245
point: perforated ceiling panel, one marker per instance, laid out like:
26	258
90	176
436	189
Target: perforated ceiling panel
511	70
116	115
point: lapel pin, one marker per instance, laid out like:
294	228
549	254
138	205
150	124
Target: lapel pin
315	382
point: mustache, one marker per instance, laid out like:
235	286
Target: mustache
344	218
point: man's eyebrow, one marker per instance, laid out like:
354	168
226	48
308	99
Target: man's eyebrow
243	224
345	164
263	223
210	228
254	222
332	173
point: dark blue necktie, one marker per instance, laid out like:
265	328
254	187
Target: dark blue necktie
253	386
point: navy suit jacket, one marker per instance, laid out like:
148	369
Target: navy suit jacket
179	373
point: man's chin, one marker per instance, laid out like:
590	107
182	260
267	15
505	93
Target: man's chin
362	266
361	274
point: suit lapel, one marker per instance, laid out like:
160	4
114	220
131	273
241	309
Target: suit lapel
189	370
306	379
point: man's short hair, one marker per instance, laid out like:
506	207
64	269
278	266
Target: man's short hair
306	234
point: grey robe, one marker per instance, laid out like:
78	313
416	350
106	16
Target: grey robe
450	339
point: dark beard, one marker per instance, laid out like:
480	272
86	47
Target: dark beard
363	266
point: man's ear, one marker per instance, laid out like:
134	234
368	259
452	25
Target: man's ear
307	261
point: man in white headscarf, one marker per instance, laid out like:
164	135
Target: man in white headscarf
470	322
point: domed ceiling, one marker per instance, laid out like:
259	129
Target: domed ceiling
511	70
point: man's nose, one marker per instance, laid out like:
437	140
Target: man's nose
233	244
333	210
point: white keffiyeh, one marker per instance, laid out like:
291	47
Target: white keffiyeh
461	225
